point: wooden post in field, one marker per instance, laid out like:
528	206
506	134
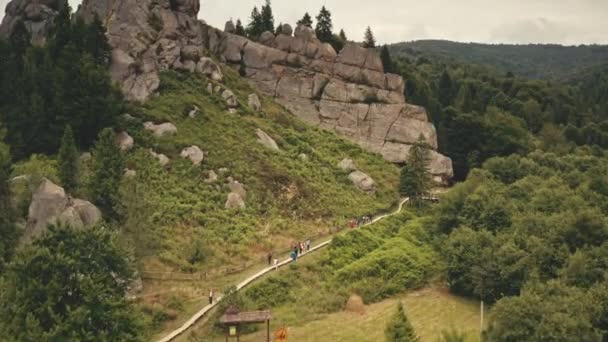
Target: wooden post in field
481	322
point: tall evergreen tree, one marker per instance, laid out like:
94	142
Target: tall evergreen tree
108	166
62	31
8	230
68	161
96	42
255	26
324	28
399	329
267	18
239	30
445	91
306	20
387	61
415	180
20	41
70	285
342	36
369	41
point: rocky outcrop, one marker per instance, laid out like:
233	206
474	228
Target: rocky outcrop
148	36
51	205
347	165
347	92
38	17
362	181
234	201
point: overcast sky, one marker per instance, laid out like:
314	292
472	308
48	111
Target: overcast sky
568	22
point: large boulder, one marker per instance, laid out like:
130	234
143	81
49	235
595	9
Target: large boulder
230	98
51	205
362	181
124	141
238	188
266	140
234	201
160	130
194	153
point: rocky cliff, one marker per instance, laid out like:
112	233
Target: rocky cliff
37	16
347	92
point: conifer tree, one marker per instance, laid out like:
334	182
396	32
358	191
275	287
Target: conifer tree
342	36
68	161
267	18
239	30
254	28
69	285
96	42
8	230
108	166
415	180
387	61
306	20
324	28
369	41
400	329
20	41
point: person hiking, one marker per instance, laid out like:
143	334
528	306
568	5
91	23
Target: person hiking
301	247
308	245
210	296
294	255
269	258
295	249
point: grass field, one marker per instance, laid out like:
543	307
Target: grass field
430	310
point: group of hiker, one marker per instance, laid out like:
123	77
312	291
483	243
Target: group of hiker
360	221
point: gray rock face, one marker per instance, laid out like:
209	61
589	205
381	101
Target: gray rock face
51	205
141	48
37	15
194	153
347	92
266	140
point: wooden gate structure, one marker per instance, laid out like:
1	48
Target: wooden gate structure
233	319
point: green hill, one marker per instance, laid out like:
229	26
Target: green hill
532	60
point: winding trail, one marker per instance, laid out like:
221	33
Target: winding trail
188	324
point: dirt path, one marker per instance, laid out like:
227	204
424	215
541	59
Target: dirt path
197	316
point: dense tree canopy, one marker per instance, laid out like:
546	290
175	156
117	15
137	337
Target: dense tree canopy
43	89
69	285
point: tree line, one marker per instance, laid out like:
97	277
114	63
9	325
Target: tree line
262	20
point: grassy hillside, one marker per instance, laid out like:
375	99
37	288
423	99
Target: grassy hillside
534	60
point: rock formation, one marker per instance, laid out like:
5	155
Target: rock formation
160	130
51	205
194	153
347	92
124	141
266	140
37	15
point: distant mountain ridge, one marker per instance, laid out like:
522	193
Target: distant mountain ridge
542	61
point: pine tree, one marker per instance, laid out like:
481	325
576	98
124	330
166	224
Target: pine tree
239	30
369	42
68	161
267	18
324	28
342	36
254	28
415	180
96	43
387	61
400	329
445	90
108	166
306	20
62	32
76	289
20	41
8	230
